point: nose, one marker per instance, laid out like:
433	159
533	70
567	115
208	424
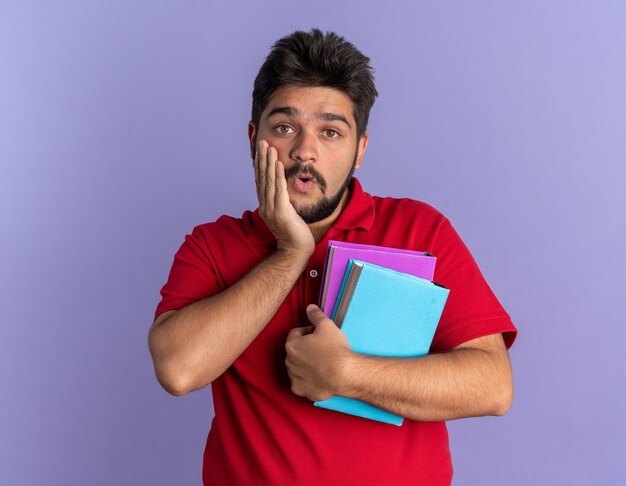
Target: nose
305	147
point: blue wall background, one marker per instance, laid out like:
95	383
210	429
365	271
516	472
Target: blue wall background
123	125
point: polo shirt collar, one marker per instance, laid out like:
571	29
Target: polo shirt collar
358	213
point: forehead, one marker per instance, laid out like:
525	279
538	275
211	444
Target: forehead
310	101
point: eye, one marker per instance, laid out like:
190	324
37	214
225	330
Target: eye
330	133
283	129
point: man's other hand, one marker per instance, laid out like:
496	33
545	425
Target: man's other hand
290	230
317	357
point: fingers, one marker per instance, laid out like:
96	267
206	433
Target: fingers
255	163
260	169
282	196
269	175
307	330
298	332
270	179
295	333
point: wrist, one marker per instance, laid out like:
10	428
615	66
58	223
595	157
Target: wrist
346	373
295	255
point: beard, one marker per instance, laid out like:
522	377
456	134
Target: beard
314	212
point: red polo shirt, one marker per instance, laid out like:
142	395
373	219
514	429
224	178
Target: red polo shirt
264	434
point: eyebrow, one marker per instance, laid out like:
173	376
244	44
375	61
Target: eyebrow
293	112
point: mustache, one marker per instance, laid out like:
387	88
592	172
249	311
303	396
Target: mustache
300	169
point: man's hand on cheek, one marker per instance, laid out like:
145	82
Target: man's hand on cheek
318	357
288	227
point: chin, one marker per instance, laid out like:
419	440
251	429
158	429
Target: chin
301	206
298	199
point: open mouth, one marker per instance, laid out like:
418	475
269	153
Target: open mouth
303	183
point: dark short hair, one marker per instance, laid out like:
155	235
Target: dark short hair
314	59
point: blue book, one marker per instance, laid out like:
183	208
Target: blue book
387	313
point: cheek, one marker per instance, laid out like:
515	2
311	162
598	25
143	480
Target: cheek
283	155
280	144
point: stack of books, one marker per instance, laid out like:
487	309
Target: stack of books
386	304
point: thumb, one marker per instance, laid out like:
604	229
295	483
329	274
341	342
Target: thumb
315	314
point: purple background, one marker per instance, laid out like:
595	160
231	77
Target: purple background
123	125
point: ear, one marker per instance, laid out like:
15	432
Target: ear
252	138
361	150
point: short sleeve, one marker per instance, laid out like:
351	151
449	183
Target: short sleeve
472	310
193	275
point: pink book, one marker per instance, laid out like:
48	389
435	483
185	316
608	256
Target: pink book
418	263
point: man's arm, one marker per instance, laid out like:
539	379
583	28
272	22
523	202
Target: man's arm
193	346
471	380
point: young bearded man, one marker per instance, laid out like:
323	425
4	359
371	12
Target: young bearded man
238	312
